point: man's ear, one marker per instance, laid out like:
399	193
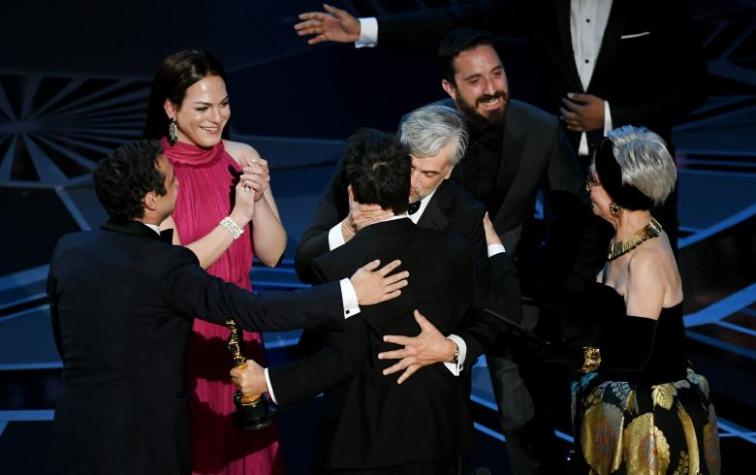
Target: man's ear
449	88
150	200
449	171
170	109
350	193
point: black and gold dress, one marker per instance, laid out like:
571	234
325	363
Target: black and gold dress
654	420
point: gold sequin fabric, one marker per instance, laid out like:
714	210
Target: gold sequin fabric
625	428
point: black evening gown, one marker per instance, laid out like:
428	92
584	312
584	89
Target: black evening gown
654	421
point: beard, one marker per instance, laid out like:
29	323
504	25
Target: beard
475	119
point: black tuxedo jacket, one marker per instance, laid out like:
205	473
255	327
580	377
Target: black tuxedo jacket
650	67
534	155
450	209
122	304
370	421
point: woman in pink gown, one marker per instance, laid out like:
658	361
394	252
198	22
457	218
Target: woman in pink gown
189	109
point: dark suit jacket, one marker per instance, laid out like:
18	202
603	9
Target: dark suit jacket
369	421
122	304
534	156
450	209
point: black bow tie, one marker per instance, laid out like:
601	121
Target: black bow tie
413	207
167	236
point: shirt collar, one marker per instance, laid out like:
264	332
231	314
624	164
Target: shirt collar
415	217
154	227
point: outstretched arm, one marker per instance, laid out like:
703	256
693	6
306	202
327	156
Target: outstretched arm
190	291
343	353
334	25
419	28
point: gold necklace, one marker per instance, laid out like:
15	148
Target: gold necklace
651	230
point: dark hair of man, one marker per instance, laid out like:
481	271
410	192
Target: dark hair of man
177	73
378	168
123	178
456	42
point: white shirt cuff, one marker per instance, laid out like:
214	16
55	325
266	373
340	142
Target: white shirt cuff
608	126
349	298
335	238
456	368
270	387
368	33
494	249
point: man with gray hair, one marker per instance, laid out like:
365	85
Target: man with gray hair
515	150
436	137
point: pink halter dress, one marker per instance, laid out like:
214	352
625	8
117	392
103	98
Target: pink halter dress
206	187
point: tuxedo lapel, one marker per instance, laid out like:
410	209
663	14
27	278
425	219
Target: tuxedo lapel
614	27
566	56
434	216
511	158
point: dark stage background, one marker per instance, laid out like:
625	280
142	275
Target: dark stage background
74	80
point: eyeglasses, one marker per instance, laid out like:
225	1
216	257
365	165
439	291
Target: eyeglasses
591	181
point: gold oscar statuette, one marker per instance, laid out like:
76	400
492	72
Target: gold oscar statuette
252	411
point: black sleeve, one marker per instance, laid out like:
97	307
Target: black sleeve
681	84
426	28
192	292
333	207
483	333
343	353
505	296
627	345
577	246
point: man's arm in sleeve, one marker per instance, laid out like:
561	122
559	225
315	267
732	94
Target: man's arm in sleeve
428	27
333	208
342	355
496	286
193	292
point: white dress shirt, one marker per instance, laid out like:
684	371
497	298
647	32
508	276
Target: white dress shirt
588	19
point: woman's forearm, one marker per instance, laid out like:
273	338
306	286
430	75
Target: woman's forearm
268	233
211	246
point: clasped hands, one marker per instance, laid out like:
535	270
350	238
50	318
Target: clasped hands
255	175
253	182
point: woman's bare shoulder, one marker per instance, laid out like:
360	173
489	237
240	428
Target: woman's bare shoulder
240	151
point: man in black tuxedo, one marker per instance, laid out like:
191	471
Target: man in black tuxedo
515	149
436	137
371	424
603	63
122	300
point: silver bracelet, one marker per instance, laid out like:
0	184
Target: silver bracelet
231	227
